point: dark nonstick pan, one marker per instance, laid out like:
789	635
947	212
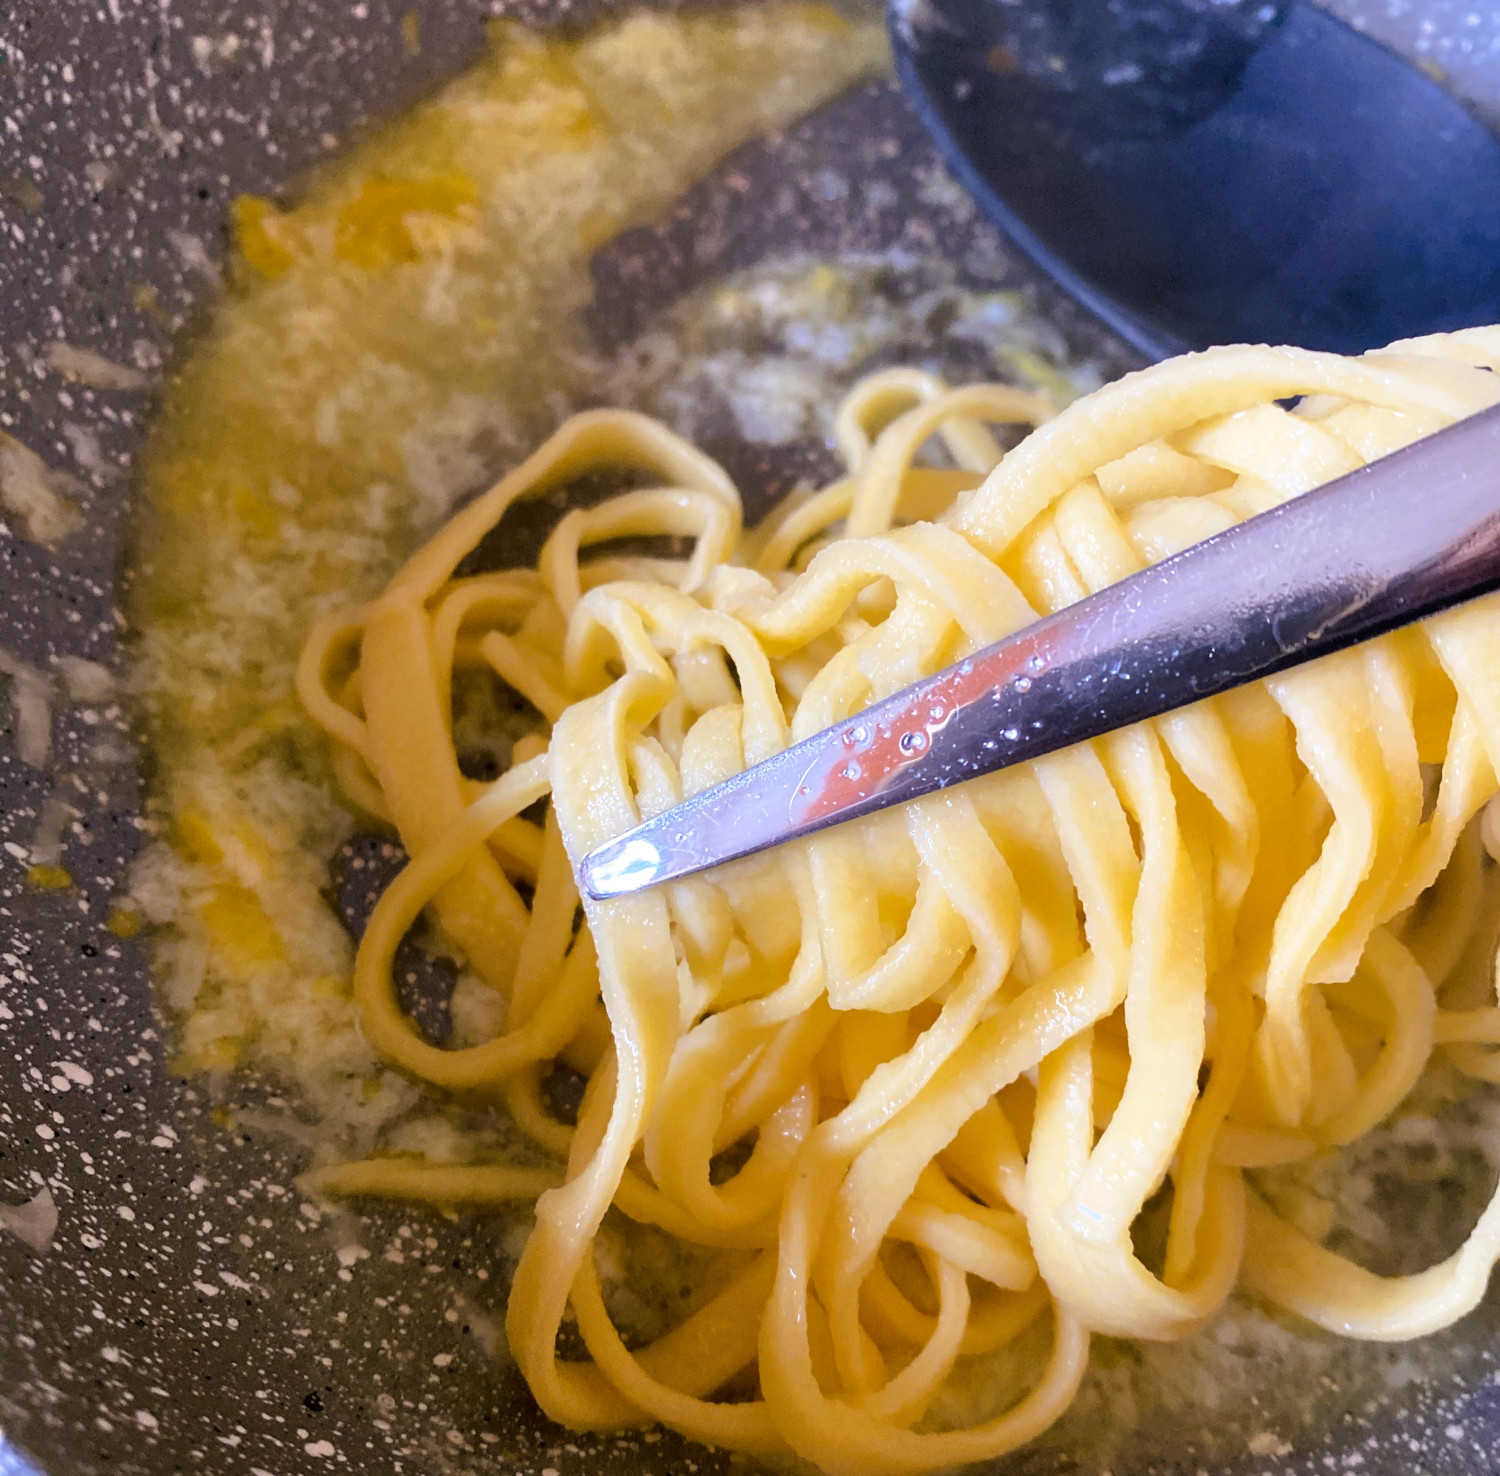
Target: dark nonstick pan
190	1311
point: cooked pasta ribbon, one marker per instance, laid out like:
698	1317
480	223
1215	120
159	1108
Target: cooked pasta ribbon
916	1078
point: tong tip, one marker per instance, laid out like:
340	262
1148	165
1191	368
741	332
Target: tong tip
620	867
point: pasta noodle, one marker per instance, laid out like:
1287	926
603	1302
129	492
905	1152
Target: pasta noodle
915	1078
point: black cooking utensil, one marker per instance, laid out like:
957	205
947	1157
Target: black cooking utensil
1197	172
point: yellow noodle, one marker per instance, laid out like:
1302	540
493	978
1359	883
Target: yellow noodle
955	1048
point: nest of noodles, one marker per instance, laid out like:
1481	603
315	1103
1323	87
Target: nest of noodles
955	1048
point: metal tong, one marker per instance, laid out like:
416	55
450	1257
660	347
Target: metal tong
1407	536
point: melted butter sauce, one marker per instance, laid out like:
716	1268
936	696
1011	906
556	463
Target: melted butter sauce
402	331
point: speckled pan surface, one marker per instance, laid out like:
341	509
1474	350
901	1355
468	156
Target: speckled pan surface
192	1313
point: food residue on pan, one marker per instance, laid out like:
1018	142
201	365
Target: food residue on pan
37	495
31	702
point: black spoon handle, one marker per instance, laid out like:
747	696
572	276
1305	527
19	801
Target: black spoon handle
1254	171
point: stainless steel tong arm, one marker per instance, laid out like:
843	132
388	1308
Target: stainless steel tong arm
1404	537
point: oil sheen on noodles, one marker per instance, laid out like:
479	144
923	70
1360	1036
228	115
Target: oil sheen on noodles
955	1048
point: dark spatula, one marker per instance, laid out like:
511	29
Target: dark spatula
1198	172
